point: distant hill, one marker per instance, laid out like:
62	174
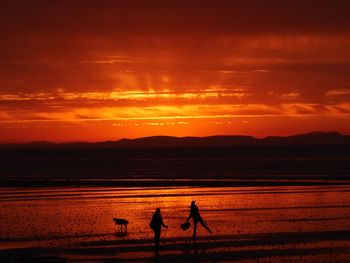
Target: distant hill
313	138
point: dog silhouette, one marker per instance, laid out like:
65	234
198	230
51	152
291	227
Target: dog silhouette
122	223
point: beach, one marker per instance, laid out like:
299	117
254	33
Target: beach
283	223
232	113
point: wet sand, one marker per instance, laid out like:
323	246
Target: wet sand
305	223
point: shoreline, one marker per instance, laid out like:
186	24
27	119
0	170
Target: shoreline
74	224
157	182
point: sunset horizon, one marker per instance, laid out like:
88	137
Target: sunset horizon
198	68
329	132
174	131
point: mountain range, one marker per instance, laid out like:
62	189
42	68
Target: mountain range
313	138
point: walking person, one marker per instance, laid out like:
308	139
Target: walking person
196	217
156	225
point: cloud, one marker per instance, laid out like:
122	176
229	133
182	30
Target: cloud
108	17
127	60
169	112
338	92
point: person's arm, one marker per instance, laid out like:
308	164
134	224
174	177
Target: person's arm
164	225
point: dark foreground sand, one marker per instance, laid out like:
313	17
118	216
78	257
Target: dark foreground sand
305	223
331	246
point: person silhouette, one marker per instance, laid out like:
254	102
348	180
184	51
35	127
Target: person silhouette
196	217
156	225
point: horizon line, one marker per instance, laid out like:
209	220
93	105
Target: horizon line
171	136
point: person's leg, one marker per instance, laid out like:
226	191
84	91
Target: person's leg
156	242
156	237
194	229
205	226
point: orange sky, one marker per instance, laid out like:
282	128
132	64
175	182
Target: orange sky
103	70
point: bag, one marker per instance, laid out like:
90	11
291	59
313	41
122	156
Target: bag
185	226
152	224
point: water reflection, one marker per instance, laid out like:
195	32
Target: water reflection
51	217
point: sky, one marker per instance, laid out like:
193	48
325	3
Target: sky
83	70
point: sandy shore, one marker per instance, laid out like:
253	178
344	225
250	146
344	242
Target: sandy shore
327	246
305	223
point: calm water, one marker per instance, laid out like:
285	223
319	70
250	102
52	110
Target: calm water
242	219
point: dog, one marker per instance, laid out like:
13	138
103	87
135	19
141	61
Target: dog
122	223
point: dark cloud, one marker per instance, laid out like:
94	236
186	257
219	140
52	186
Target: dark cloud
112	18
60	60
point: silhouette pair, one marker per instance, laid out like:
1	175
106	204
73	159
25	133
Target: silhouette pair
157	223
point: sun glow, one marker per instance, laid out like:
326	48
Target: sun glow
124	74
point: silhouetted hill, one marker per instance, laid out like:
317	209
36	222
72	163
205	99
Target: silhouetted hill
167	141
313	138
